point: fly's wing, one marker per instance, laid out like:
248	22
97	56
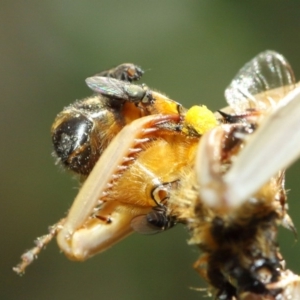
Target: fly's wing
255	85
141	225
107	86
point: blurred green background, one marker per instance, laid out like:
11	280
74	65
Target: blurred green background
190	50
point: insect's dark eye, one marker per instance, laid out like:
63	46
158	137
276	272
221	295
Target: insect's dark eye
133	73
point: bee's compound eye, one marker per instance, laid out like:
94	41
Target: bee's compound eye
142	225
71	141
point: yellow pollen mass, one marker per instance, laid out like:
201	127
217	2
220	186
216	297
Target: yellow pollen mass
200	119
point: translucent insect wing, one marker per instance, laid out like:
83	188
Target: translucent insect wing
107	86
275	145
267	71
141	225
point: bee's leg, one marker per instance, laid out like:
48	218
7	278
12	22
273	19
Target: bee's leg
98	182
274	146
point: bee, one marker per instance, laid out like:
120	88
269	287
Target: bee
147	163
